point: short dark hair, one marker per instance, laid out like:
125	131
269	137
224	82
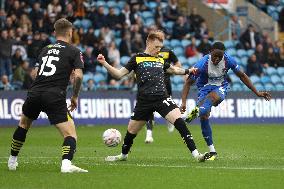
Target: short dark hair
157	34
218	45
62	26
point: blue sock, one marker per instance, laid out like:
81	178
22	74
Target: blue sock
206	131
205	108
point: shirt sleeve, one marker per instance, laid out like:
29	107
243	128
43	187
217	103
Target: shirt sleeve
131	64
199	65
232	64
166	66
172	57
78	60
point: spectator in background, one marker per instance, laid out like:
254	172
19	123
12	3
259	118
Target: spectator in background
254	66
107	35
90	85
34	47
16	59
113	20
5	54
76	38
114	55
5	84
25	23
16	9
235	26
69	12
204	47
250	38
124	17
28	79
137	43
191	49
89	60
36	13
101	49
20	72
281	20
125	45
89	38
135	13
2	18
113	84
202	31
54	7
260	56
180	29
195	20
80	11
172	11
272	60
101	19
279	53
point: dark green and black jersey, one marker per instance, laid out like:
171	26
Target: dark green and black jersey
170	58
149	72
56	63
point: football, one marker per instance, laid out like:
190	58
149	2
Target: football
111	137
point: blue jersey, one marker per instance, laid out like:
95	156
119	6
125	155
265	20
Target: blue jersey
208	74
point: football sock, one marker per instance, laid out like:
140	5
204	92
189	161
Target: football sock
149	125
206	131
185	134
211	148
128	141
149	133
68	148
205	108
18	140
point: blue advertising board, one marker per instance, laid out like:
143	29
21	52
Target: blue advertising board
115	107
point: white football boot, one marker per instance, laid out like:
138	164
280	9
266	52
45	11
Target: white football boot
149	137
67	167
120	157
12	163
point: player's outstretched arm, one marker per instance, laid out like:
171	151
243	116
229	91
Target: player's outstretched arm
181	71
246	80
116	73
184	94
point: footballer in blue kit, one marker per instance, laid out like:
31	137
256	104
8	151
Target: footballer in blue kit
212	84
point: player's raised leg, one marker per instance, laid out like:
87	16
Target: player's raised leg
175	117
134	127
149	132
67	129
18	141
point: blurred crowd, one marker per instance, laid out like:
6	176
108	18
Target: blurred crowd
115	29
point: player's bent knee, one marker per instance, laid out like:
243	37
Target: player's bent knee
179	123
205	108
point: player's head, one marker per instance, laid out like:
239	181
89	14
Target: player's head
63	28
155	41
217	52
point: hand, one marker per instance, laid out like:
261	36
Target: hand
74	103
101	59
182	108
264	94
193	70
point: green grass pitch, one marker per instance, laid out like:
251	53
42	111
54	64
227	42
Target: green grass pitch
250	156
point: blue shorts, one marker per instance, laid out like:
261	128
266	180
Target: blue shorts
204	91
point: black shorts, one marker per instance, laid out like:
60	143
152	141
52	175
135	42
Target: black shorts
145	108
53	103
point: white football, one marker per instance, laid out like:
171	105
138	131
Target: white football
111	137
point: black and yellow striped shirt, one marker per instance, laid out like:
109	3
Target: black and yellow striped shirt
149	72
